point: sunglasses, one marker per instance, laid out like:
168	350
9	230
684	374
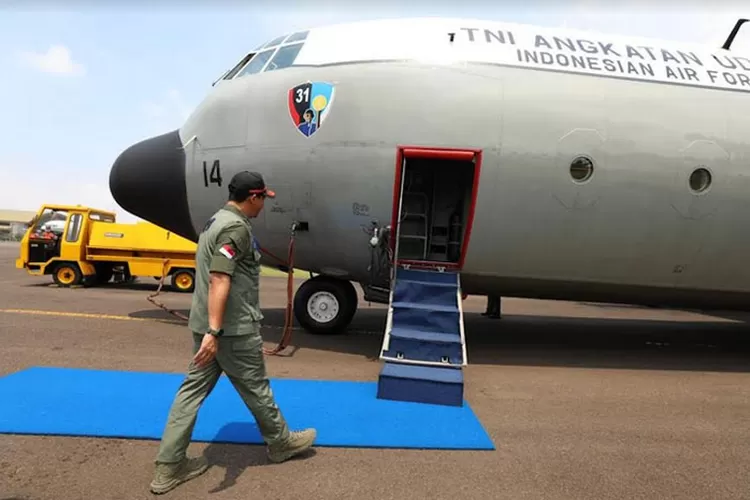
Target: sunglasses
259	193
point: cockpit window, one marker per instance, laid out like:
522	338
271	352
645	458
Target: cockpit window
230	74
297	37
257	63
281	52
284	57
274	42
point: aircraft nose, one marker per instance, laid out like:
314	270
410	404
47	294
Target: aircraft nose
148	180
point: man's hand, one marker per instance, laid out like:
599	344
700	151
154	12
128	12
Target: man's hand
218	291
207	352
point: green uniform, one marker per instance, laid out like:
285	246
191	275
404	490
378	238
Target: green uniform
226	246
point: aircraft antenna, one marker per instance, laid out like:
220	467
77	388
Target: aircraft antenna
734	33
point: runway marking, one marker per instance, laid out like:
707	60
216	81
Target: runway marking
40	312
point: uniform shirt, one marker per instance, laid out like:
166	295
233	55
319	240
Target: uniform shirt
226	245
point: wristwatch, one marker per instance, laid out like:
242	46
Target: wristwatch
215	333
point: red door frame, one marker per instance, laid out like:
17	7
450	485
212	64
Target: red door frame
412	152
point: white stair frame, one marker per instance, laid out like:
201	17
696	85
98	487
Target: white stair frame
459	301
388	326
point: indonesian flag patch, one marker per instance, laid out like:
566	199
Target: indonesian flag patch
227	251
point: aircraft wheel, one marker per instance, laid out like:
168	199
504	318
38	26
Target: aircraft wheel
184	280
353	295
67	274
324	305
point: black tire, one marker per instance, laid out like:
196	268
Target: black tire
104	273
334	292
67	274
183	280
353	295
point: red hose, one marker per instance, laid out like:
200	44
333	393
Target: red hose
286	336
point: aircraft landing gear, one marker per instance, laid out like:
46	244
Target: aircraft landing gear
325	305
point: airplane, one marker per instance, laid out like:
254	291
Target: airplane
536	162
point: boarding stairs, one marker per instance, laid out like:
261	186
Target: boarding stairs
424	347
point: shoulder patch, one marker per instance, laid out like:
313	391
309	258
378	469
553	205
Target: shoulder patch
227	251
208	224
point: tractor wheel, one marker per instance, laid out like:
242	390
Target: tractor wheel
67	274
183	280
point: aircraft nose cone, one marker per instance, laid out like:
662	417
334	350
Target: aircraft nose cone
148	180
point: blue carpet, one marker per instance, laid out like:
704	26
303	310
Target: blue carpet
115	404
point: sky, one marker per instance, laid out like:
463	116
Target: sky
83	80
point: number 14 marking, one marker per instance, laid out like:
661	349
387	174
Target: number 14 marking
215	176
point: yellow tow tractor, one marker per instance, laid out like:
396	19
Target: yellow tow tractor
81	246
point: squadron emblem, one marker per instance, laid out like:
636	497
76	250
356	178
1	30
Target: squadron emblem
309	104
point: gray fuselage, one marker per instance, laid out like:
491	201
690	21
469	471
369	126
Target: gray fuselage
633	233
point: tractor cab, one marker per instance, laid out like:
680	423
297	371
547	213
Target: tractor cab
44	234
55	236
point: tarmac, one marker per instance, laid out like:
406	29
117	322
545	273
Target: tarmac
583	401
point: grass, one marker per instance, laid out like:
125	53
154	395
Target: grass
275	273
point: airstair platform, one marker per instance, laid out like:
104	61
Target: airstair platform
424	347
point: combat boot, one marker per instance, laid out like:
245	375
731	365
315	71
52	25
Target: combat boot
169	476
298	442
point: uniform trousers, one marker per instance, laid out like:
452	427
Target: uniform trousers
241	358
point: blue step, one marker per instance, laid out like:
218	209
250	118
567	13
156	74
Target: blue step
428	276
426	292
417	345
426	308
421	384
426	318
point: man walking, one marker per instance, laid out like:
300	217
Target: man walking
225	321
